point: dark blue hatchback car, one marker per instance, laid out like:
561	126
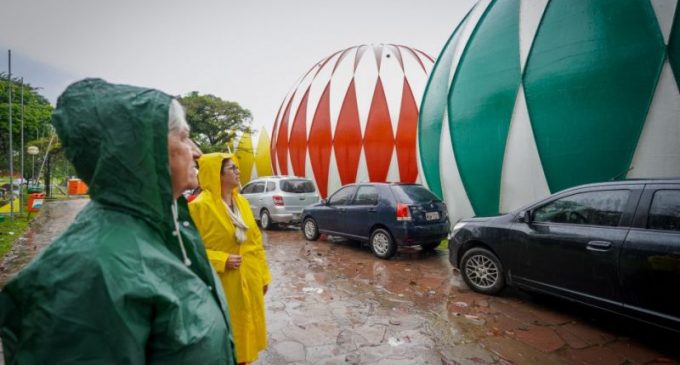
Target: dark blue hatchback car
386	215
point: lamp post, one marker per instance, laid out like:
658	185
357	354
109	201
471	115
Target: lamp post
21	193
11	149
33	150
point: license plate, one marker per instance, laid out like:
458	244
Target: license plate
431	216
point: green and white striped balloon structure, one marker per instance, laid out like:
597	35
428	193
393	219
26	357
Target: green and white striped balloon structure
529	97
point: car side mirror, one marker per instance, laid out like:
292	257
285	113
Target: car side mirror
525	216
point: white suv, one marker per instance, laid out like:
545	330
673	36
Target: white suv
279	199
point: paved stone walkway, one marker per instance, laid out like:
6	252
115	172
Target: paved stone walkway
333	302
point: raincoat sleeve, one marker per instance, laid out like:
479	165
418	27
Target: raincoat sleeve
218	260
264	267
203	216
257	237
43	331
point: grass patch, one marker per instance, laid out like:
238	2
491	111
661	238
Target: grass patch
444	245
11	230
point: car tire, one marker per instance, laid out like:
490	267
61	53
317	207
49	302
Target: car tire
265	219
430	246
382	244
482	271
310	229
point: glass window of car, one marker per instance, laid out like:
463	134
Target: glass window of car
366	195
297	186
258	187
342	196
271	186
248	189
600	208
665	211
410	194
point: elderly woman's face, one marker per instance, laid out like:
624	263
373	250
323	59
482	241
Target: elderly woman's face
181	153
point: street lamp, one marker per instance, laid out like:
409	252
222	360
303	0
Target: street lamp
33	150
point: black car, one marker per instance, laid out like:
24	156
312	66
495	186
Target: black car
614	246
386	215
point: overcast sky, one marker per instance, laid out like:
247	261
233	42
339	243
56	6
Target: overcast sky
249	51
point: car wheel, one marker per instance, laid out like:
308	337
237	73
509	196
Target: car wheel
265	219
382	243
430	246
310	229
482	271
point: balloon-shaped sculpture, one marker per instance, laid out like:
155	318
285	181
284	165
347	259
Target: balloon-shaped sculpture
253	161
532	97
353	117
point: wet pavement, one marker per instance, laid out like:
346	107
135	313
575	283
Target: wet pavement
333	302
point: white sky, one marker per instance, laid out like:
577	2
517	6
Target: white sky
249	51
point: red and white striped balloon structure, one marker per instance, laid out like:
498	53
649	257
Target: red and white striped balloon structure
353	117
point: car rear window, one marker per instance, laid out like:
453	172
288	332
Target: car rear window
410	194
297	186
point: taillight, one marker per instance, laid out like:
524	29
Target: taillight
278	200
403	213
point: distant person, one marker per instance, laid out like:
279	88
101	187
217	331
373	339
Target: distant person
193	194
234	245
129	281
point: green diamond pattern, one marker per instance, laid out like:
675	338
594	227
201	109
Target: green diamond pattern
481	103
589	81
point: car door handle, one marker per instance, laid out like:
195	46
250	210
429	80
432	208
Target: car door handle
371	210
599	245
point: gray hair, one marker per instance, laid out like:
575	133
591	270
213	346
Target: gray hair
176	117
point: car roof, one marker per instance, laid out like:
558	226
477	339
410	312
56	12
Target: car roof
383	183
641	181
278	177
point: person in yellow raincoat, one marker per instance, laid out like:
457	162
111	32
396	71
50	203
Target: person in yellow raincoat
234	245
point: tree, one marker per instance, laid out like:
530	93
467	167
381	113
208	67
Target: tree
37	115
214	122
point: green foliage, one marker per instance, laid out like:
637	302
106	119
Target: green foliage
214	122
10	230
37	113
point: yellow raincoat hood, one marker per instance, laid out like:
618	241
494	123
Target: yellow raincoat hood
209	169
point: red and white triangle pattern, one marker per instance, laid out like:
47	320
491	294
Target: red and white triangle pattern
353	117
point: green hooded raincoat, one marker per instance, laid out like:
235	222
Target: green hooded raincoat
113	288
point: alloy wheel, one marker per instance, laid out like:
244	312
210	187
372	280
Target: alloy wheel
264	220
381	243
481	271
310	229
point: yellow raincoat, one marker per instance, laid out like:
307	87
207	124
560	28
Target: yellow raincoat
243	286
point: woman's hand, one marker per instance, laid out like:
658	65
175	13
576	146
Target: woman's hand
233	262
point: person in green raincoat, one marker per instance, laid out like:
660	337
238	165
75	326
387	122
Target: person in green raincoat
129	281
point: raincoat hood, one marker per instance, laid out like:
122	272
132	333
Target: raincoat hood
116	136
209	169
